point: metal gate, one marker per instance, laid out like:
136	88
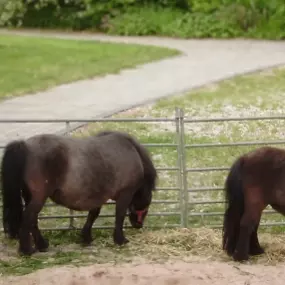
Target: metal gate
181	200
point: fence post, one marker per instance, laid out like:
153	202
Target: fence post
71	219
179	171
183	169
181	166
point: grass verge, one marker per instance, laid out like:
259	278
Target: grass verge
251	95
30	64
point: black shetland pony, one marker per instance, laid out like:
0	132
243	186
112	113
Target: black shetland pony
78	173
255	180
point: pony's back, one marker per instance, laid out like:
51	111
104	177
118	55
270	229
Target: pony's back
150	172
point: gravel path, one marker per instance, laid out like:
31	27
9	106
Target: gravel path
202	62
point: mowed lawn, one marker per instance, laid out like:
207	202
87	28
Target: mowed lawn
29	64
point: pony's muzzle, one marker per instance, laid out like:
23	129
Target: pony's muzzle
137	225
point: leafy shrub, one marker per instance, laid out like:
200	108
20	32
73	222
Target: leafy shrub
11	12
179	18
169	22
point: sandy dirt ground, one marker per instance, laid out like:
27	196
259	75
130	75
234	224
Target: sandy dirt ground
178	273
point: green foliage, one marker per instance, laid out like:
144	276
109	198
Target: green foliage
171	23
179	18
11	12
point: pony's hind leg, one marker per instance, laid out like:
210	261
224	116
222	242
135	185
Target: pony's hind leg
41	243
254	246
249	222
86	230
29	223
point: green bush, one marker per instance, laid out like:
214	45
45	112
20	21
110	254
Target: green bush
169	22
178	18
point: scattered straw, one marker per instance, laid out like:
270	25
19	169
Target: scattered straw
163	245
200	242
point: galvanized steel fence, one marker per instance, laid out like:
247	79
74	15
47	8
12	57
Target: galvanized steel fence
183	205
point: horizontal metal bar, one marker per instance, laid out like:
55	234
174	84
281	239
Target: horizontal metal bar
167	189
153	202
205	214
104	227
206	169
166	214
140	119
160	145
221	119
97	120
204	189
206	202
269	224
205	145
272	224
113	203
149	145
211	145
167	168
41	217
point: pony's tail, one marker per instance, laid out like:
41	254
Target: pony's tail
235	206
13	165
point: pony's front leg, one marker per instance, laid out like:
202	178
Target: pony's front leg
86	230
121	209
29	222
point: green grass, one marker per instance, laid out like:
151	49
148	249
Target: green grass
259	94
30	64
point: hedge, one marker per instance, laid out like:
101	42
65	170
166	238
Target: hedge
178	18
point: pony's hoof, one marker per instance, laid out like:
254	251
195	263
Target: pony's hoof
43	245
121	241
237	256
256	251
229	251
86	242
86	238
27	252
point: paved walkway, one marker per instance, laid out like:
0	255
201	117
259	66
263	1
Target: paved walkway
202	62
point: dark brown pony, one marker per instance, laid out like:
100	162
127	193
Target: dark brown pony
78	173
255	180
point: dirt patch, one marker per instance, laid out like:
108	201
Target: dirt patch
199	272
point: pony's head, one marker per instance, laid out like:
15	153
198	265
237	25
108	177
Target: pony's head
138	209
